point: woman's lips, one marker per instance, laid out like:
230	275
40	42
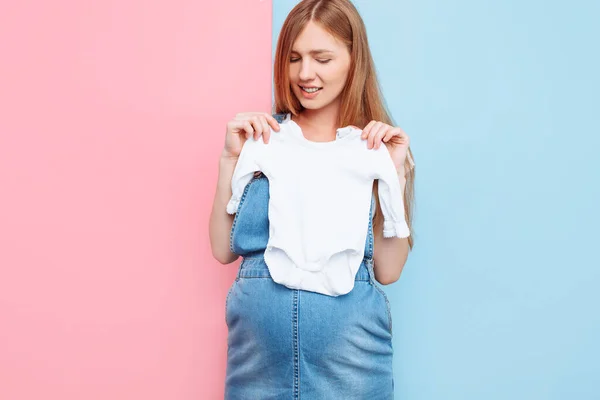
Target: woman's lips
310	94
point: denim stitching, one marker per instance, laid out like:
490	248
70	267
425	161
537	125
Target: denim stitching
370	232
227	300
387	306
296	351
370	267
374	283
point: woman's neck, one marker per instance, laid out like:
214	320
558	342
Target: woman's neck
319	125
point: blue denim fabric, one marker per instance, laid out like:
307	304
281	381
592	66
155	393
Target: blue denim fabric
286	343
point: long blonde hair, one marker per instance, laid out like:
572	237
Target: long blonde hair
362	97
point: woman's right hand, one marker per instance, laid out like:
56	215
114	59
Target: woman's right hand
244	125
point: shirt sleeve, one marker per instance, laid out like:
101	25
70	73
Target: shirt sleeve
248	163
391	198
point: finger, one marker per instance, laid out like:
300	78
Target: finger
380	134
247	126
366	130
372	133
272	122
390	134
399	137
257	125
266	130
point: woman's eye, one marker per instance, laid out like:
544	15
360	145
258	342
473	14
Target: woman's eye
320	61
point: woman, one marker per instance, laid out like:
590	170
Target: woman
288	343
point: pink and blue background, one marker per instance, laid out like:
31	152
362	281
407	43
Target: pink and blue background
112	120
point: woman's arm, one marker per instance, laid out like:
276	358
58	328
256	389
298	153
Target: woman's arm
239	129
220	221
389	254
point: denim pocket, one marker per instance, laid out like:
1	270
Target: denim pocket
387	306
227	302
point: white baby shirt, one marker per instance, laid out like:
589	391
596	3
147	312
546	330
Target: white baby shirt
320	198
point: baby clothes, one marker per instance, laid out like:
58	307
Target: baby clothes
320	197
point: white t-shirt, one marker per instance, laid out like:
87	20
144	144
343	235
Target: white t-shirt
320	198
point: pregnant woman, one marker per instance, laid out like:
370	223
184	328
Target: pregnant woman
306	333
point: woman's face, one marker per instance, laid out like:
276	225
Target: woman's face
319	66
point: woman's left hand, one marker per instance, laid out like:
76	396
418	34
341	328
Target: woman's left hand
395	139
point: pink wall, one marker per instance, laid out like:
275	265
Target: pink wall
112	118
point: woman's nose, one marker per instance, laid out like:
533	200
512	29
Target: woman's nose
306	71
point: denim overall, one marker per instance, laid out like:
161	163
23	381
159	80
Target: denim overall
286	344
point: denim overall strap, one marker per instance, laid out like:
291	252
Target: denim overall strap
369	246
280	117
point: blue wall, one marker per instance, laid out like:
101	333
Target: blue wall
500	298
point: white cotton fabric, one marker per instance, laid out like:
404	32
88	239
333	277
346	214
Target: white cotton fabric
320	198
